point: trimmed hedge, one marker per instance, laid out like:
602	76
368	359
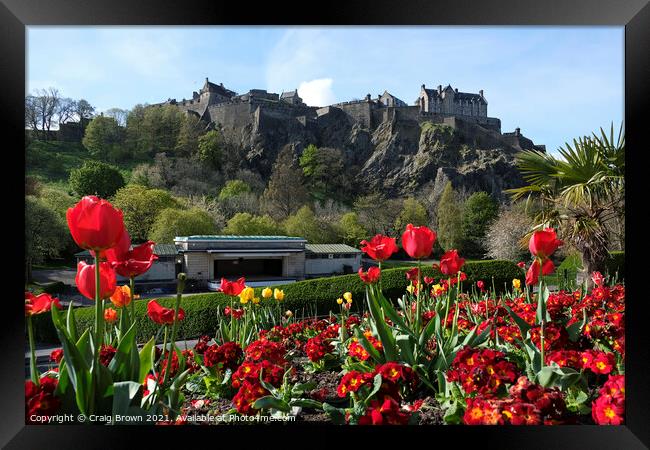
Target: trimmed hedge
317	296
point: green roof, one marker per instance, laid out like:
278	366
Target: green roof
224	237
158	249
330	248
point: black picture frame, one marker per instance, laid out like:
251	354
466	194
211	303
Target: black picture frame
634	15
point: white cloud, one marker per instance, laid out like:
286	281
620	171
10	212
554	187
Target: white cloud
317	92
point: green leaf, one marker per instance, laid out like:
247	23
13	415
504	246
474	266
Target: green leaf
521	323
384	332
270	402
71	323
336	414
146	356
306	403
575	328
542	299
406	344
121	364
124	394
376	385
78	370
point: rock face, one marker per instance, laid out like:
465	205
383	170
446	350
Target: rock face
396	156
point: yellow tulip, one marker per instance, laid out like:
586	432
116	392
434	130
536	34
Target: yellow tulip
267	292
516	283
247	294
256	300
288	313
410	288
339	300
348	297
278	294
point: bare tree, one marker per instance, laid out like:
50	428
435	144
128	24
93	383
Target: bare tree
65	110
31	113
46	104
118	114
84	110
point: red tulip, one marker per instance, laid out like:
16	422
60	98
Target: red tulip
232	288
521	265
418	241
380	247
532	276
134	262
370	277
38	304
85	280
597	278
121	250
543	243
95	224
413	274
481	285
450	263
162	315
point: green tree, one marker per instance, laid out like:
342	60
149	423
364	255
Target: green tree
192	127
172	222
412	212
326	174
153	129
479	211
46	234
378	213
103	138
351	231
96	178
305	224
286	191
246	224
234	188
450	219
580	191
210	149
141	207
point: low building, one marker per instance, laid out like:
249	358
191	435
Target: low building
262	260
322	260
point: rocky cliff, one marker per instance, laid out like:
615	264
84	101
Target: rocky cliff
396	156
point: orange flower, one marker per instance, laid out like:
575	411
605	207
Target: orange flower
110	315
121	297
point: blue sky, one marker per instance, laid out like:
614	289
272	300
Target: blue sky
555	83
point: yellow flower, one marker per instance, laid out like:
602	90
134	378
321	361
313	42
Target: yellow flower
288	313
410	288
278	294
339	300
247	294
348	297
437	288
516	283
256	300
267	292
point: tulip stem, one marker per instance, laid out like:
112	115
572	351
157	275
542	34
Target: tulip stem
99	313
32	361
179	294
132	294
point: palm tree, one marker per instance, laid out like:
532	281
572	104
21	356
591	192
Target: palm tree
580	193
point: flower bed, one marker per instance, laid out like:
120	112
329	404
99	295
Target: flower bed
446	349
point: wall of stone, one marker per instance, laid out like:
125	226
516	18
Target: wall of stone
231	115
360	112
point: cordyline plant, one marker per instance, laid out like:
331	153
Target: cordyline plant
87	382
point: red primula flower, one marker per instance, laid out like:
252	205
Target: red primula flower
608	410
232	288
95	224
162	315
106	354
85	280
229	354
39	304
134	262
370	277
450	263
418	241
380	247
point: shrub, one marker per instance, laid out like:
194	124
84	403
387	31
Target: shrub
479	212
96	178
504	235
173	222
317	296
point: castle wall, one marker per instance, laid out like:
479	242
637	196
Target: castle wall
360	111
231	115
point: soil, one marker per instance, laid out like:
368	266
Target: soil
430	412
